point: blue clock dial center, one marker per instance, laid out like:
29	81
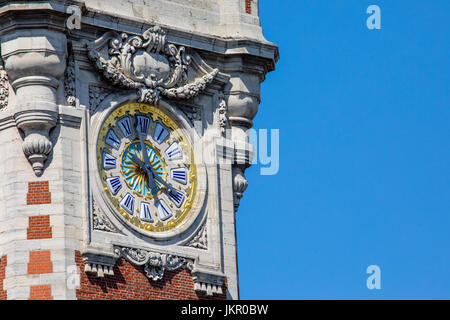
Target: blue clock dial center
134	175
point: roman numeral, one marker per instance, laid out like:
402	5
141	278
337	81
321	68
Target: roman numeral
145	213
174	152
179	175
176	197
125	126
164	211
160	133
114	185
112	140
109	162
144	123
127	203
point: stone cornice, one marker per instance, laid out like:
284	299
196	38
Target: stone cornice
95	23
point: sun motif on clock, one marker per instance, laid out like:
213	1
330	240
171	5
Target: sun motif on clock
147	168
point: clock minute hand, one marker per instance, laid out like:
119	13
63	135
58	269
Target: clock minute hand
141	141
146	163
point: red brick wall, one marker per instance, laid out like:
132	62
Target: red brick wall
43	292
39	228
40	262
248	6
38	193
3	262
130	283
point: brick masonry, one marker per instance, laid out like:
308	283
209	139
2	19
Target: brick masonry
38	193
43	292
39	228
40	262
3	262
130	283
248	6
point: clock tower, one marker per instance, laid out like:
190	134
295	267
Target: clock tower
124	140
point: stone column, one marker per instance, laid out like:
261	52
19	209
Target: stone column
243	102
35	60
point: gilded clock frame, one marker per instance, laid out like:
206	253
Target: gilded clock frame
194	196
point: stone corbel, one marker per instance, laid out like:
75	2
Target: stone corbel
99	264
35	62
155	263
208	282
242	102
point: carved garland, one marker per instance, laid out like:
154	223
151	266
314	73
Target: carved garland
4	90
69	82
147	63
155	264
223	114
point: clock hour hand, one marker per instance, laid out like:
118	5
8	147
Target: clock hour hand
168	187
138	161
152	175
149	173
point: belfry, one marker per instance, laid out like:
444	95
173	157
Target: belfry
124	144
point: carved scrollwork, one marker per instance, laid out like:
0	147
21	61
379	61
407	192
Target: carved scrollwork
155	264
96	95
100	221
200	240
4	90
148	64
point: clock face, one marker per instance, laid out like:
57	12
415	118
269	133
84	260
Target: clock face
146	165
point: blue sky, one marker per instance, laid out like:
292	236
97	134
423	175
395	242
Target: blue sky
364	176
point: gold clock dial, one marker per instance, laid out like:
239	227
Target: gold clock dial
147	168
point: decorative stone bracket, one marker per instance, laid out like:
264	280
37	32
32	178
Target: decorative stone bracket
155	264
207	282
242	106
35	62
99	265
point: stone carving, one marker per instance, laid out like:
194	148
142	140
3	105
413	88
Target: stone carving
35	67
99	270
208	283
200	241
100	221
193	113
4	90
155	264
223	114
69	82
96	95
36	148
99	266
240	184
148	64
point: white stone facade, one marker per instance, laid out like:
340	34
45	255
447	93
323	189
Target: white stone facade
51	102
